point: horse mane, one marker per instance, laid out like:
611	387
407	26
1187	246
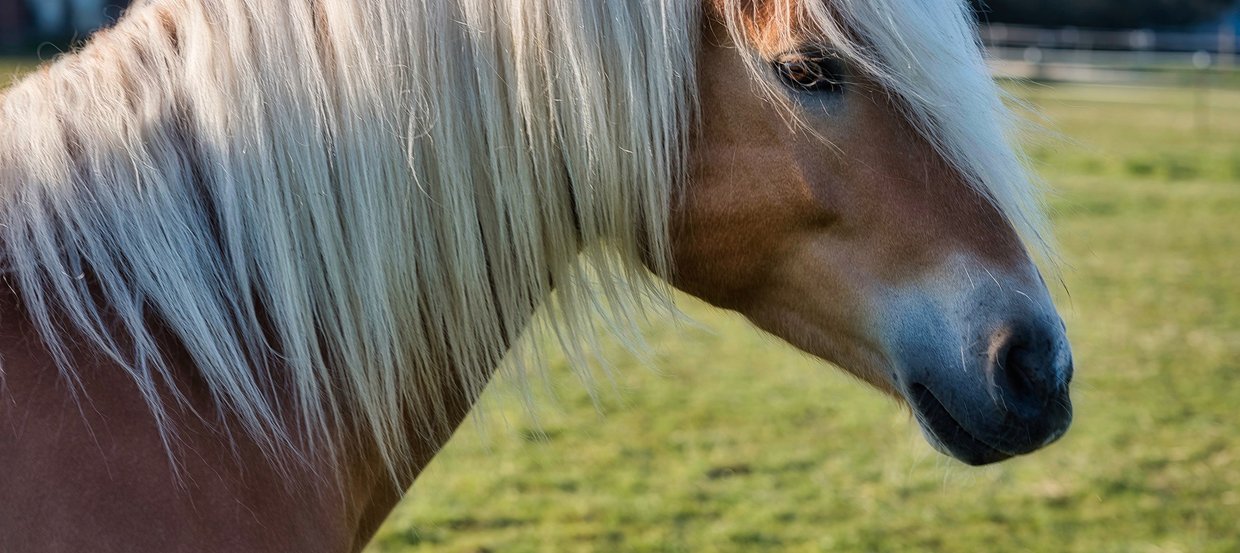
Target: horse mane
343	210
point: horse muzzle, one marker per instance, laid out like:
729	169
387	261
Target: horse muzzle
1008	399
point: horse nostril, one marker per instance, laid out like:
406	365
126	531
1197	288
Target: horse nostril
1020	367
1031	367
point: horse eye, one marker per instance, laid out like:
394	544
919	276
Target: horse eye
811	72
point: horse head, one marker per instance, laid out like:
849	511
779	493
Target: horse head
819	206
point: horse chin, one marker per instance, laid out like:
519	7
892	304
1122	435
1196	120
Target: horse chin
947	435
980	435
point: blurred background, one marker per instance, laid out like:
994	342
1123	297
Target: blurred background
736	443
25	25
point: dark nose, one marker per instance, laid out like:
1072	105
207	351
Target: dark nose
1031	370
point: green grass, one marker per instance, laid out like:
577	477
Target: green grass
738	443
12	69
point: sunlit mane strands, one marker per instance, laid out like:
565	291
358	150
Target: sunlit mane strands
348	211
344	207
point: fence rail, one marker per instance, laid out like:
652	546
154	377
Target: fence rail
1073	38
1111	57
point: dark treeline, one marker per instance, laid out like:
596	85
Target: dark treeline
27	23
1115	14
52	25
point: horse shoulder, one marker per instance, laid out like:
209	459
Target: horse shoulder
86	469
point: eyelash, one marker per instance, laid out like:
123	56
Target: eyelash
817	72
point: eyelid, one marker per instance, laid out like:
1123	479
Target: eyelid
828	70
811	54
833	63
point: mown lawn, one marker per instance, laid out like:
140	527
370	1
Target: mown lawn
736	443
12	69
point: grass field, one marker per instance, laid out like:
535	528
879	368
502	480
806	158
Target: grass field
737	443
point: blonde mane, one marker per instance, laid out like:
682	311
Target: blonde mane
344	210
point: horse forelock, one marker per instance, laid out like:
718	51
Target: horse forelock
927	55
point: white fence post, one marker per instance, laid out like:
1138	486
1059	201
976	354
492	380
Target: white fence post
1227	45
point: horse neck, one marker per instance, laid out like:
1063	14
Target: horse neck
88	449
185	104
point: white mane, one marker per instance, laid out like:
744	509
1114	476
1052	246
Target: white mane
353	207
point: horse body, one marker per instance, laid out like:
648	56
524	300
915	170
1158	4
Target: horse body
96	477
262	259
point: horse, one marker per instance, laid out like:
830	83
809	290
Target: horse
260	258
